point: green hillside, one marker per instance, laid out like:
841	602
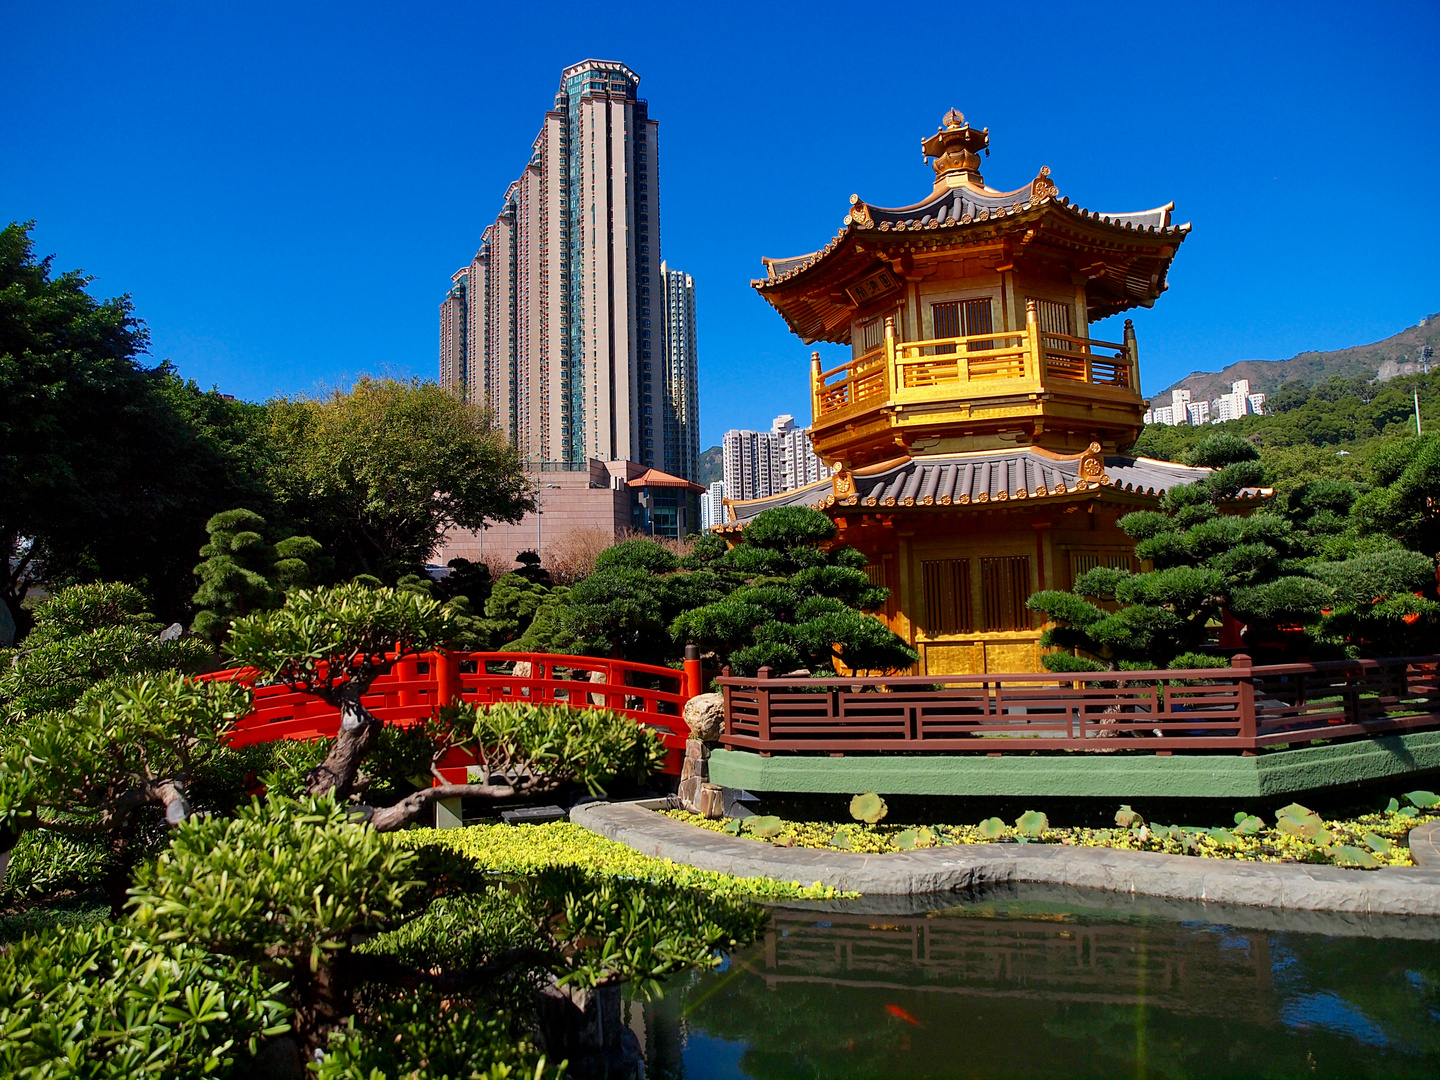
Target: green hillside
1333	429
712	467
1309	368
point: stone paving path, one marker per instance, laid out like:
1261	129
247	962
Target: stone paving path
1295	886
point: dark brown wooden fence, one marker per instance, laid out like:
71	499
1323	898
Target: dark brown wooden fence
1240	708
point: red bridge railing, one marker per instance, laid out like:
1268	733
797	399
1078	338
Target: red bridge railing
417	685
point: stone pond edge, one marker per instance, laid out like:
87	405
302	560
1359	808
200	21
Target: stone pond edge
1293	886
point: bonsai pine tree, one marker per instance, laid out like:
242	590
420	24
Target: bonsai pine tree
334	643
1204	561
243	573
800	603
130	744
85	634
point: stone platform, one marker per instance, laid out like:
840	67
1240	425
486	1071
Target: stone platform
1123	775
953	868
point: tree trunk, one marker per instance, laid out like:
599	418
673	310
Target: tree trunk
587	1028
390	818
322	1001
357	734
116	881
8	839
171	794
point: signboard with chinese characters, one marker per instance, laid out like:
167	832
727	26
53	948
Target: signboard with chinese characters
868	288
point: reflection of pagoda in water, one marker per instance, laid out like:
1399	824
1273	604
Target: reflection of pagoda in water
977	429
1105	963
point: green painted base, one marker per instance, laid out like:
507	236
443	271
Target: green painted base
1119	775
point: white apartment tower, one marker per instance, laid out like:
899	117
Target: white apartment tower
762	463
564	302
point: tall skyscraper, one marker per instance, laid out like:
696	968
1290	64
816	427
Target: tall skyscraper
563	337
682	392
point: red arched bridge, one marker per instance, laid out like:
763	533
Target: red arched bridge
416	685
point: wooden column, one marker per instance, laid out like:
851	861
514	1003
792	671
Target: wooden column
1245	688
1132	355
1034	346
762	710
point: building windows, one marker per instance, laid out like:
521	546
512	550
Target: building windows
871	335
946	584
962	318
1005	589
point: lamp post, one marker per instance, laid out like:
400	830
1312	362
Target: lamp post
539	510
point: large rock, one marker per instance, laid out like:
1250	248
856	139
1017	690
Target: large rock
705	716
694	774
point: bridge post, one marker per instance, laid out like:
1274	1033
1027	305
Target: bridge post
444	676
694	680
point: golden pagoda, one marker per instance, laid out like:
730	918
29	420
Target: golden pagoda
977	431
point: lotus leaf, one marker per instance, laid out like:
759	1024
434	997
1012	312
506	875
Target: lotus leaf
992	828
766	827
1248	825
1127	818
1425	800
906	840
1345	855
869	808
1223	837
1032	823
1376	843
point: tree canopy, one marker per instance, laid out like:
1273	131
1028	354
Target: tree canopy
379	473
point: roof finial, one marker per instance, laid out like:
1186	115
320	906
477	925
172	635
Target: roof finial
956	148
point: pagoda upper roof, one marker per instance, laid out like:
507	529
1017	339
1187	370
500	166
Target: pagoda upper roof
1130	251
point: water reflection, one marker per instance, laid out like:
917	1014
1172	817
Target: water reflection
1052	987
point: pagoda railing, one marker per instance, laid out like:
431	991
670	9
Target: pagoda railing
1238	709
898	372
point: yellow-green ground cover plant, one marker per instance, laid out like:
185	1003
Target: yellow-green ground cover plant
1294	834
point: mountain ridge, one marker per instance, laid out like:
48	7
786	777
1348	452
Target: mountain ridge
1356	361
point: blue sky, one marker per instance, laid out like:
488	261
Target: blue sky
285	189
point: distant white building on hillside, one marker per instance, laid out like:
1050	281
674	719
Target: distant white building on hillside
1181	410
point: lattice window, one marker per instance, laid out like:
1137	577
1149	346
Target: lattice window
962	318
1005	586
946	584
871	335
1053	316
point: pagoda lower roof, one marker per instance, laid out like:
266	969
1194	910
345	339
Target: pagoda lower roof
980	479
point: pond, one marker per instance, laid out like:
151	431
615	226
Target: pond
1056	983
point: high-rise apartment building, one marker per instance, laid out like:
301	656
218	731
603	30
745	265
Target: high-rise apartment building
565	305
799	464
758	464
681	417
